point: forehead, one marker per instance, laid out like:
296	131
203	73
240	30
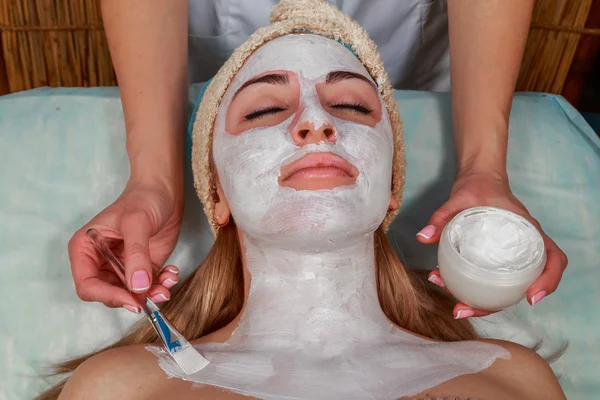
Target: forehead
310	56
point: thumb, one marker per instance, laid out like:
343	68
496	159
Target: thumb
136	229
432	231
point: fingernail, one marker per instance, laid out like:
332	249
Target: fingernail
134	310
173	270
536	298
159	298
464	314
436	280
140	281
427	232
169	283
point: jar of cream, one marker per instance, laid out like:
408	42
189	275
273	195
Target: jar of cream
488	257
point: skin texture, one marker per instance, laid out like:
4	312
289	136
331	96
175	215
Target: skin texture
149	49
133	373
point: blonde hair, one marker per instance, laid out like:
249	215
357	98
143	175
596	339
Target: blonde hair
214	295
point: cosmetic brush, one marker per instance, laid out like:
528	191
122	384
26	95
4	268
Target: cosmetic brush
184	354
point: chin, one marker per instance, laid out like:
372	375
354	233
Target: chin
313	221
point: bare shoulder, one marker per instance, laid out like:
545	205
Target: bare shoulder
526	371
132	373
129	372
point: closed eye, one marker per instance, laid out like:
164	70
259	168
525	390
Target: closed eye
258	114
353	107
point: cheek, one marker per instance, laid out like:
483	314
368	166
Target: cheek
254	157
371	147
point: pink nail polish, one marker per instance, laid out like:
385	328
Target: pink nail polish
134	310
428	232
536	298
169	283
140	281
436	280
464	314
173	270
159	298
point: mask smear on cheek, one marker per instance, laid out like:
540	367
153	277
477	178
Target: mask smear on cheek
312	326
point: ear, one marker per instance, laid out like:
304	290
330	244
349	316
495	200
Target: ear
222	211
394	205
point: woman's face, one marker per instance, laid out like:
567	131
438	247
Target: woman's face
273	97
302	144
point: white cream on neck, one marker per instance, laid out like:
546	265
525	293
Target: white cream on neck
312	327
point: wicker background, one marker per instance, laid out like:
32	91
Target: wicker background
54	43
61	43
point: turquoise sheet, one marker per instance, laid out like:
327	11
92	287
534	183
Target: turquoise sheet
62	159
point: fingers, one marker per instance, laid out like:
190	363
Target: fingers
158	294
110	277
137	229
431	233
167	279
170	268
556	263
83	264
86	268
436	279
462	310
546	284
111	295
92	283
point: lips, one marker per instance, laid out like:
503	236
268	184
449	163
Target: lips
319	166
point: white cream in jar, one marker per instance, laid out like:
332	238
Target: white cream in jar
488	257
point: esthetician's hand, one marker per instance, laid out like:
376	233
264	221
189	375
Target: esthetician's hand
487	189
141	228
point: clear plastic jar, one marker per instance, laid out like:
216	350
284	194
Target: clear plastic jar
490	288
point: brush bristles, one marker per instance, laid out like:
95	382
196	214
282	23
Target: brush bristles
189	360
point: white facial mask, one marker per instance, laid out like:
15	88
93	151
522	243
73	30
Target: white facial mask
249	164
312	327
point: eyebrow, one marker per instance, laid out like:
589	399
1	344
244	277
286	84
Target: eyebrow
282	79
338	76
273	79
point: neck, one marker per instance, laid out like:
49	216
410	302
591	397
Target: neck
312	328
314	299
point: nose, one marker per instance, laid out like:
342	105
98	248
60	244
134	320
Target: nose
306	133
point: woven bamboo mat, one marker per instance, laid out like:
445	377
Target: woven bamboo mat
62	43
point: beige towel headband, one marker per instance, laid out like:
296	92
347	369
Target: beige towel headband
293	16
